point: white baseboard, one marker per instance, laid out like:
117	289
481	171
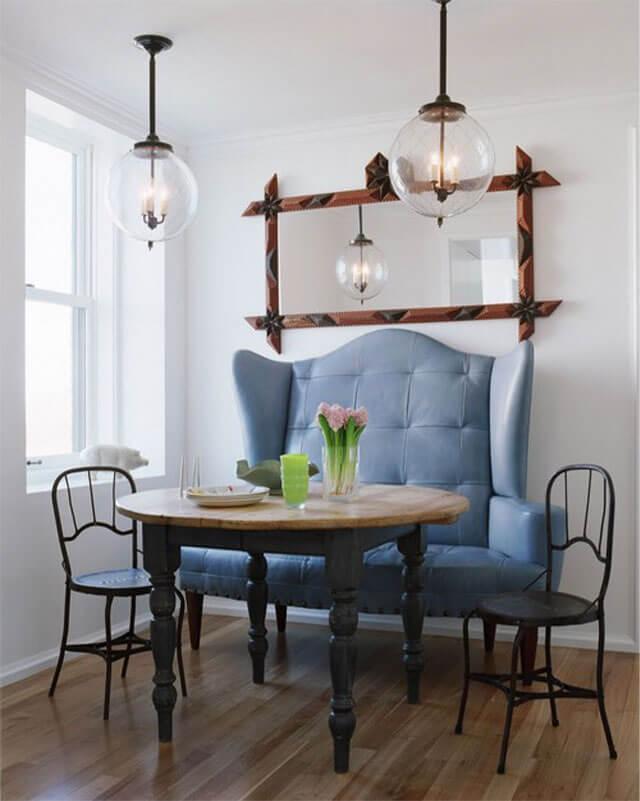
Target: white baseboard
571	637
444	627
23	668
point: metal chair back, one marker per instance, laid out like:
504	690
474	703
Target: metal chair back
70	490
593	527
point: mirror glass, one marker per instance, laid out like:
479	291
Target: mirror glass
471	260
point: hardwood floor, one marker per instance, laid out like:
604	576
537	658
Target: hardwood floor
234	740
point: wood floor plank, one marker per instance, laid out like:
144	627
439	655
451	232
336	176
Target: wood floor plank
234	740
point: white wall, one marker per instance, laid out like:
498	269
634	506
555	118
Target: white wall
31	580
584	399
141	349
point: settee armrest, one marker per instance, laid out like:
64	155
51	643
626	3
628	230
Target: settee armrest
517	528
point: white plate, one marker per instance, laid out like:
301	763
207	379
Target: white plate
227	495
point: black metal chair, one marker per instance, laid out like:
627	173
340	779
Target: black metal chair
545	609
124	583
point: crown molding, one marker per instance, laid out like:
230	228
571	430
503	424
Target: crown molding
393	120
79	96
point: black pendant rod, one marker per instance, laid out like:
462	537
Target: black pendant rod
152	97
443	47
153	43
443	99
360	238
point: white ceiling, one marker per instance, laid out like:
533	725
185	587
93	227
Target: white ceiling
247	65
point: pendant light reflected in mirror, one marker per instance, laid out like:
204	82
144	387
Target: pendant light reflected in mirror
361	269
442	161
152	194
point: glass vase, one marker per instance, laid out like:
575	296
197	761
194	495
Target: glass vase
340	473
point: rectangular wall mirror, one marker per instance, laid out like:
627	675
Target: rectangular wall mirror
472	259
477	266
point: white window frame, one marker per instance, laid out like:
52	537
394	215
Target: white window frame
81	299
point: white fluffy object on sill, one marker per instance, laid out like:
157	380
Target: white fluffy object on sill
113	456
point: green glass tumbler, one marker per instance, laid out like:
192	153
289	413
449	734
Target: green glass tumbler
294	470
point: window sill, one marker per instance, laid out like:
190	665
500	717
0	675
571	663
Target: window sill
41	481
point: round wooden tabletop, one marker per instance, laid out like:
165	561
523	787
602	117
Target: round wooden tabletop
377	506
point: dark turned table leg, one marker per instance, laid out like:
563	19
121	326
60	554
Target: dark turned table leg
343	565
257	597
412	549
161	561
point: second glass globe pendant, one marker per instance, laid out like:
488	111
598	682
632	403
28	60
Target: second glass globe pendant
442	161
152	194
361	269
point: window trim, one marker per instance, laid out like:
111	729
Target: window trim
81	299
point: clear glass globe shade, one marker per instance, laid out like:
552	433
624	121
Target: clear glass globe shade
467	167
152	194
361	271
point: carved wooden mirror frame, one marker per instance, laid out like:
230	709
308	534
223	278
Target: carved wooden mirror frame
378	190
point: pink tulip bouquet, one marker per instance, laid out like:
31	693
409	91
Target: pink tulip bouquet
342	428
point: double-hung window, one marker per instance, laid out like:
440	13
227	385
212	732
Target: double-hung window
59	302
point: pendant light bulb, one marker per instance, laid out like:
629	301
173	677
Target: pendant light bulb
361	270
442	161
152	194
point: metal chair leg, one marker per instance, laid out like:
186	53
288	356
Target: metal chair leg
109	657
511	699
552	700
467	661
132	625
600	687
63	641
183	681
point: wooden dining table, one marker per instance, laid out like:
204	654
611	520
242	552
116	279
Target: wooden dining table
339	532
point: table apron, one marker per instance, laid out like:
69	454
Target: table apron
302	543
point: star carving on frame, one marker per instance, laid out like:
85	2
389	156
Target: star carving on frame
270	206
272	322
377	176
526	310
524	181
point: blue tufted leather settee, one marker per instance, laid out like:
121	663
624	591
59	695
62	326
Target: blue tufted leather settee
438	417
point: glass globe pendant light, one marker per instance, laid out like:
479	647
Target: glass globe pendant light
361	269
152	194
442	161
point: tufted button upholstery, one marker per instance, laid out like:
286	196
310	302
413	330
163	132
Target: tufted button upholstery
428	417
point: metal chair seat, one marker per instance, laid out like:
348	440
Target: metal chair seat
126	581
537	608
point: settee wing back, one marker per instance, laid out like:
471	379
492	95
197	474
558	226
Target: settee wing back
262	389
510	406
